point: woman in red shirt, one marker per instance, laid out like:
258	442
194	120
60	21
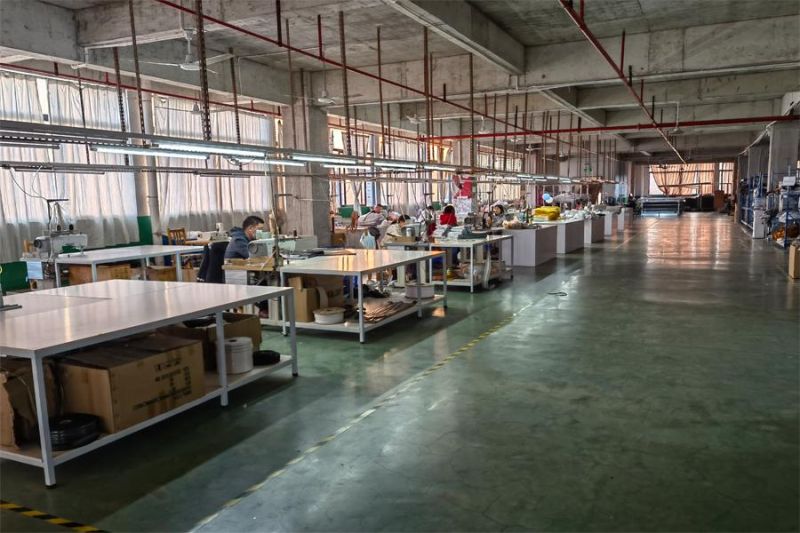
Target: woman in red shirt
448	216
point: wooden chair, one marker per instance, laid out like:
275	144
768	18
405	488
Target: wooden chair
176	236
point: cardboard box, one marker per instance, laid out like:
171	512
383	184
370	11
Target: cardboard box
315	292
18	422
125	383
236	325
161	273
79	274
794	260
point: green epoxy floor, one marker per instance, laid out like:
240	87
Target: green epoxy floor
661	393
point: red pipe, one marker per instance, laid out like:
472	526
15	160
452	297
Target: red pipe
655	125
108	83
355	70
578	20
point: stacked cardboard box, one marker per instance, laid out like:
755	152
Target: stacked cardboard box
132	380
315	292
236	325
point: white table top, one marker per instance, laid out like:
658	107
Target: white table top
57	320
560	222
363	262
468	243
126	253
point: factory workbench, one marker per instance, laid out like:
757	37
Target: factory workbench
570	235
358	266
90	314
531	247
476	247
127	253
593	230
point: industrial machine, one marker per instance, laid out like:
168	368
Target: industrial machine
287	245
660	206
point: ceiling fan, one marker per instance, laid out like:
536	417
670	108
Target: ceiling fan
190	61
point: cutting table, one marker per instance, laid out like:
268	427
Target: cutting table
52	322
126	253
359	266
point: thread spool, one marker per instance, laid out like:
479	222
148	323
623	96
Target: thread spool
239	355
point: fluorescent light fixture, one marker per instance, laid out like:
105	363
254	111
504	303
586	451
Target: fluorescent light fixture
565	180
540	178
439	167
52	170
325	159
210	149
394	164
31	144
524	176
284	162
348	167
154	152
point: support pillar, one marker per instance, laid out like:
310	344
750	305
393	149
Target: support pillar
308	201
145	183
784	138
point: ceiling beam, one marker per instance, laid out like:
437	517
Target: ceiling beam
466	26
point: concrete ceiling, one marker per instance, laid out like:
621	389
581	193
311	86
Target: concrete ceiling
701	59
536	22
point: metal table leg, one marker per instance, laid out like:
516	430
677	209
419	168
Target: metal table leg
361	335
144	268
178	268
94	272
43	417
283	307
292	331
511	266
58	274
222	372
487	268
472	269
446	263
420	264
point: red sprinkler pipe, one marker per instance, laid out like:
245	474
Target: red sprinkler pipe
638	127
355	70
578	19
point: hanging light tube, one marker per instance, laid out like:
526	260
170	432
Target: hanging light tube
439	167
51	170
155	152
30	144
348	167
325	159
284	162
394	164
210	149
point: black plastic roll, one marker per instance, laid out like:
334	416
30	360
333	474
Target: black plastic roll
266	357
73	430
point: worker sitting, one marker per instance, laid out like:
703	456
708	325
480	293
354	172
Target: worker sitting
395	229
241	237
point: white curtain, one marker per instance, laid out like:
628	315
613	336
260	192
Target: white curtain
102	206
199	202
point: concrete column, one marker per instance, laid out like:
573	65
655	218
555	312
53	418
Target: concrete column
146	183
308	200
784	138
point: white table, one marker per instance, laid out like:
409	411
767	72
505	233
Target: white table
610	224
533	246
126	253
476	247
570	235
363	263
55	321
593	230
